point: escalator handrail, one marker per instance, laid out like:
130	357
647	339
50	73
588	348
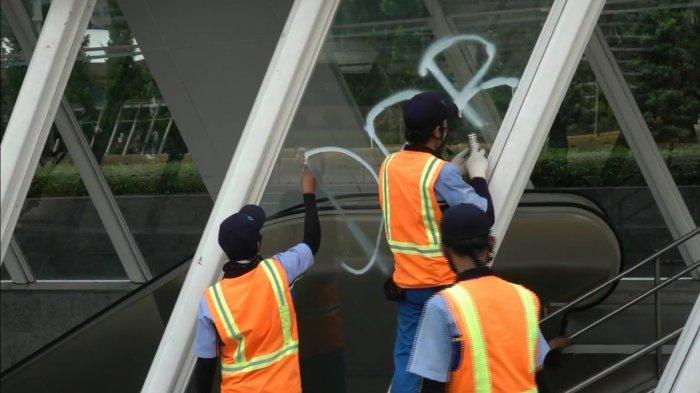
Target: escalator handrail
299	209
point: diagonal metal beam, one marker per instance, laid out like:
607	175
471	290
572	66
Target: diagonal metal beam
17	266
124	244
536	102
654	169
36	104
463	64
681	373
279	96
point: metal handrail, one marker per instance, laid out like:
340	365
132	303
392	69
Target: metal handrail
597	377
636	300
593	291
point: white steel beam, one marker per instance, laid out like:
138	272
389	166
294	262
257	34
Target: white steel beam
536	102
17	266
681	373
462	63
124	244
655	171
36	105
263	136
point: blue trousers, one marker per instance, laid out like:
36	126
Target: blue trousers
410	311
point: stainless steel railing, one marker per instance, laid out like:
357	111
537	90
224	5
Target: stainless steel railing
658	285
626	273
602	374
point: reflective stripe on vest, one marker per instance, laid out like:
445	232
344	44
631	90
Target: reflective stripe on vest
240	363
461	297
430	222
530	307
475	337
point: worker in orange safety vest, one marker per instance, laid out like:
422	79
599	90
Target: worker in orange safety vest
247	321
481	334
415	185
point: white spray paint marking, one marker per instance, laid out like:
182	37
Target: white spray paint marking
376	110
461	99
354	229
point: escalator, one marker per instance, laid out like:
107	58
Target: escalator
559	244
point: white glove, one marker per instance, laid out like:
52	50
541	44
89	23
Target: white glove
459	160
477	164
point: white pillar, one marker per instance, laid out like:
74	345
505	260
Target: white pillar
263	136
661	184
536	102
36	105
17	266
124	244
681	373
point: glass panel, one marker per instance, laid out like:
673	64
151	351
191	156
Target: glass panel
373	53
59	229
12	70
134	137
655	44
4	275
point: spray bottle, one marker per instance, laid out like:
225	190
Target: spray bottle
473	142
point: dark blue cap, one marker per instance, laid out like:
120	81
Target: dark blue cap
239	234
464	221
425	111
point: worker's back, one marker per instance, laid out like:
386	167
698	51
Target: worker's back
498	322
256	323
412	216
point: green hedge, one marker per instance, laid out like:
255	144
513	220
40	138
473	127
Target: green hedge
555	168
133	179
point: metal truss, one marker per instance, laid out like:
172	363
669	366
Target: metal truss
655	171
36	105
246	178
536	102
124	244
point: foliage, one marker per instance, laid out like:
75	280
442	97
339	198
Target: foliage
555	168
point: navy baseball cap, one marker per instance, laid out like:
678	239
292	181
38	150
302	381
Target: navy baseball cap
425	111
239	233
464	221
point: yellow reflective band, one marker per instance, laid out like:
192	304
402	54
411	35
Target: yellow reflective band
477	343
278	288
230	326
415	249
260	362
529	305
433	248
385	196
429	220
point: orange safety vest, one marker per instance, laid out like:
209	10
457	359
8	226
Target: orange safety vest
412	219
256	323
498	324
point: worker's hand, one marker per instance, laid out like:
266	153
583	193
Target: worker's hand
459	160
308	181
559	342
477	164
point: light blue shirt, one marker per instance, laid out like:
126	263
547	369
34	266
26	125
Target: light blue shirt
433	356
294	261
451	188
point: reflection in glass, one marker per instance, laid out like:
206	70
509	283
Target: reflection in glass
4	275
378	54
62	237
655	46
12	70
